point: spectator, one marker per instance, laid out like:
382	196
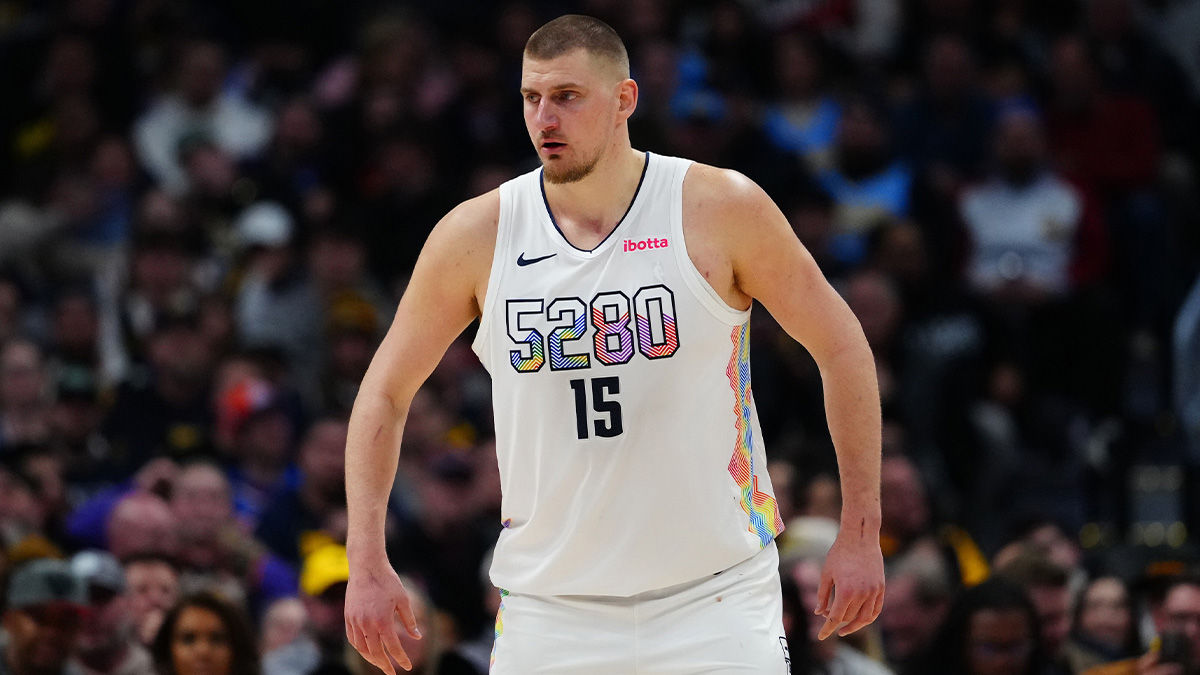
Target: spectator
214	553
205	634
197	102
254	413
806	118
153	582
942	132
1033	237
868	185
142	523
1046	584
1104	627
108	644
301	513
991	629
920	592
43	617
24	406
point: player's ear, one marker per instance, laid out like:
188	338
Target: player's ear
627	97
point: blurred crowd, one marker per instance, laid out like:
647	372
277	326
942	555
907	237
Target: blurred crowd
208	211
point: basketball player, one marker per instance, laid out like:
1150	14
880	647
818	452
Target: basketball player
613	289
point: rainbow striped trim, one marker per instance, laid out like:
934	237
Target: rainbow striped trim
759	506
499	628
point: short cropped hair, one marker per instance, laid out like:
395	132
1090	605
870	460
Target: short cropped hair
576	31
1034	569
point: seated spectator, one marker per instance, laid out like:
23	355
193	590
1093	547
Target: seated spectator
153	582
142	523
1105	630
205	634
991	629
920	590
254	414
43	616
1032	237
166	414
868	185
108	643
805	118
303	513
214	553
1177	646
942	133
24	406
1046	585
198	103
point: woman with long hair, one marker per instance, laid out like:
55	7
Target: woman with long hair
205	634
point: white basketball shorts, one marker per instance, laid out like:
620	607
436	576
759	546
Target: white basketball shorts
728	623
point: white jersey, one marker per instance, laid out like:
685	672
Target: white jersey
630	453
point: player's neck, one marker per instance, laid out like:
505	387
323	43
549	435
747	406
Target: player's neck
588	210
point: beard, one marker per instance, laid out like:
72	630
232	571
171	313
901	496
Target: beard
559	174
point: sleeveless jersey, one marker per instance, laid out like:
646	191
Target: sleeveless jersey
629	447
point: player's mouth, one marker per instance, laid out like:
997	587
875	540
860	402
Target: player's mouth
553	146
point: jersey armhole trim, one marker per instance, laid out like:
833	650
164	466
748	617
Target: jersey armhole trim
503	223
704	293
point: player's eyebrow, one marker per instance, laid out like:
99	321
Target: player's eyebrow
557	87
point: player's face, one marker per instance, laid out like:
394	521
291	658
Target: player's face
571	112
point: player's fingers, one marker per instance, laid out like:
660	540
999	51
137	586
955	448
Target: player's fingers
878	605
839	614
377	656
404	609
865	615
391	640
824	591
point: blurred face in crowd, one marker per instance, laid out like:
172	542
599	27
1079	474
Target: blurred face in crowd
1181	613
999	642
1053	605
877	306
153	587
22	380
10	308
200	499
298	129
904	505
1072	73
861	142
797	68
200	73
200	644
948	67
573	110
70	66
182	354
142	523
327	612
1105	616
109	622
909	623
1020	147
266	438
337	261
159	273
283	622
41	637
76	325
323	458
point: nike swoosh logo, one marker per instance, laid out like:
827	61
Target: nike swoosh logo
523	261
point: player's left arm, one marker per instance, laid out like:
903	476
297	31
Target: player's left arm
769	264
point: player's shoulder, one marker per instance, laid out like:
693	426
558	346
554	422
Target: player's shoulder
475	217
723	198
712	190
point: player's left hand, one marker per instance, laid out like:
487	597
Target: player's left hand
851	592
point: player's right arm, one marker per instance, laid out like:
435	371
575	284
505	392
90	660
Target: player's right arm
444	295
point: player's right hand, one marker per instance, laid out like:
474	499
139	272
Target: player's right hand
375	598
